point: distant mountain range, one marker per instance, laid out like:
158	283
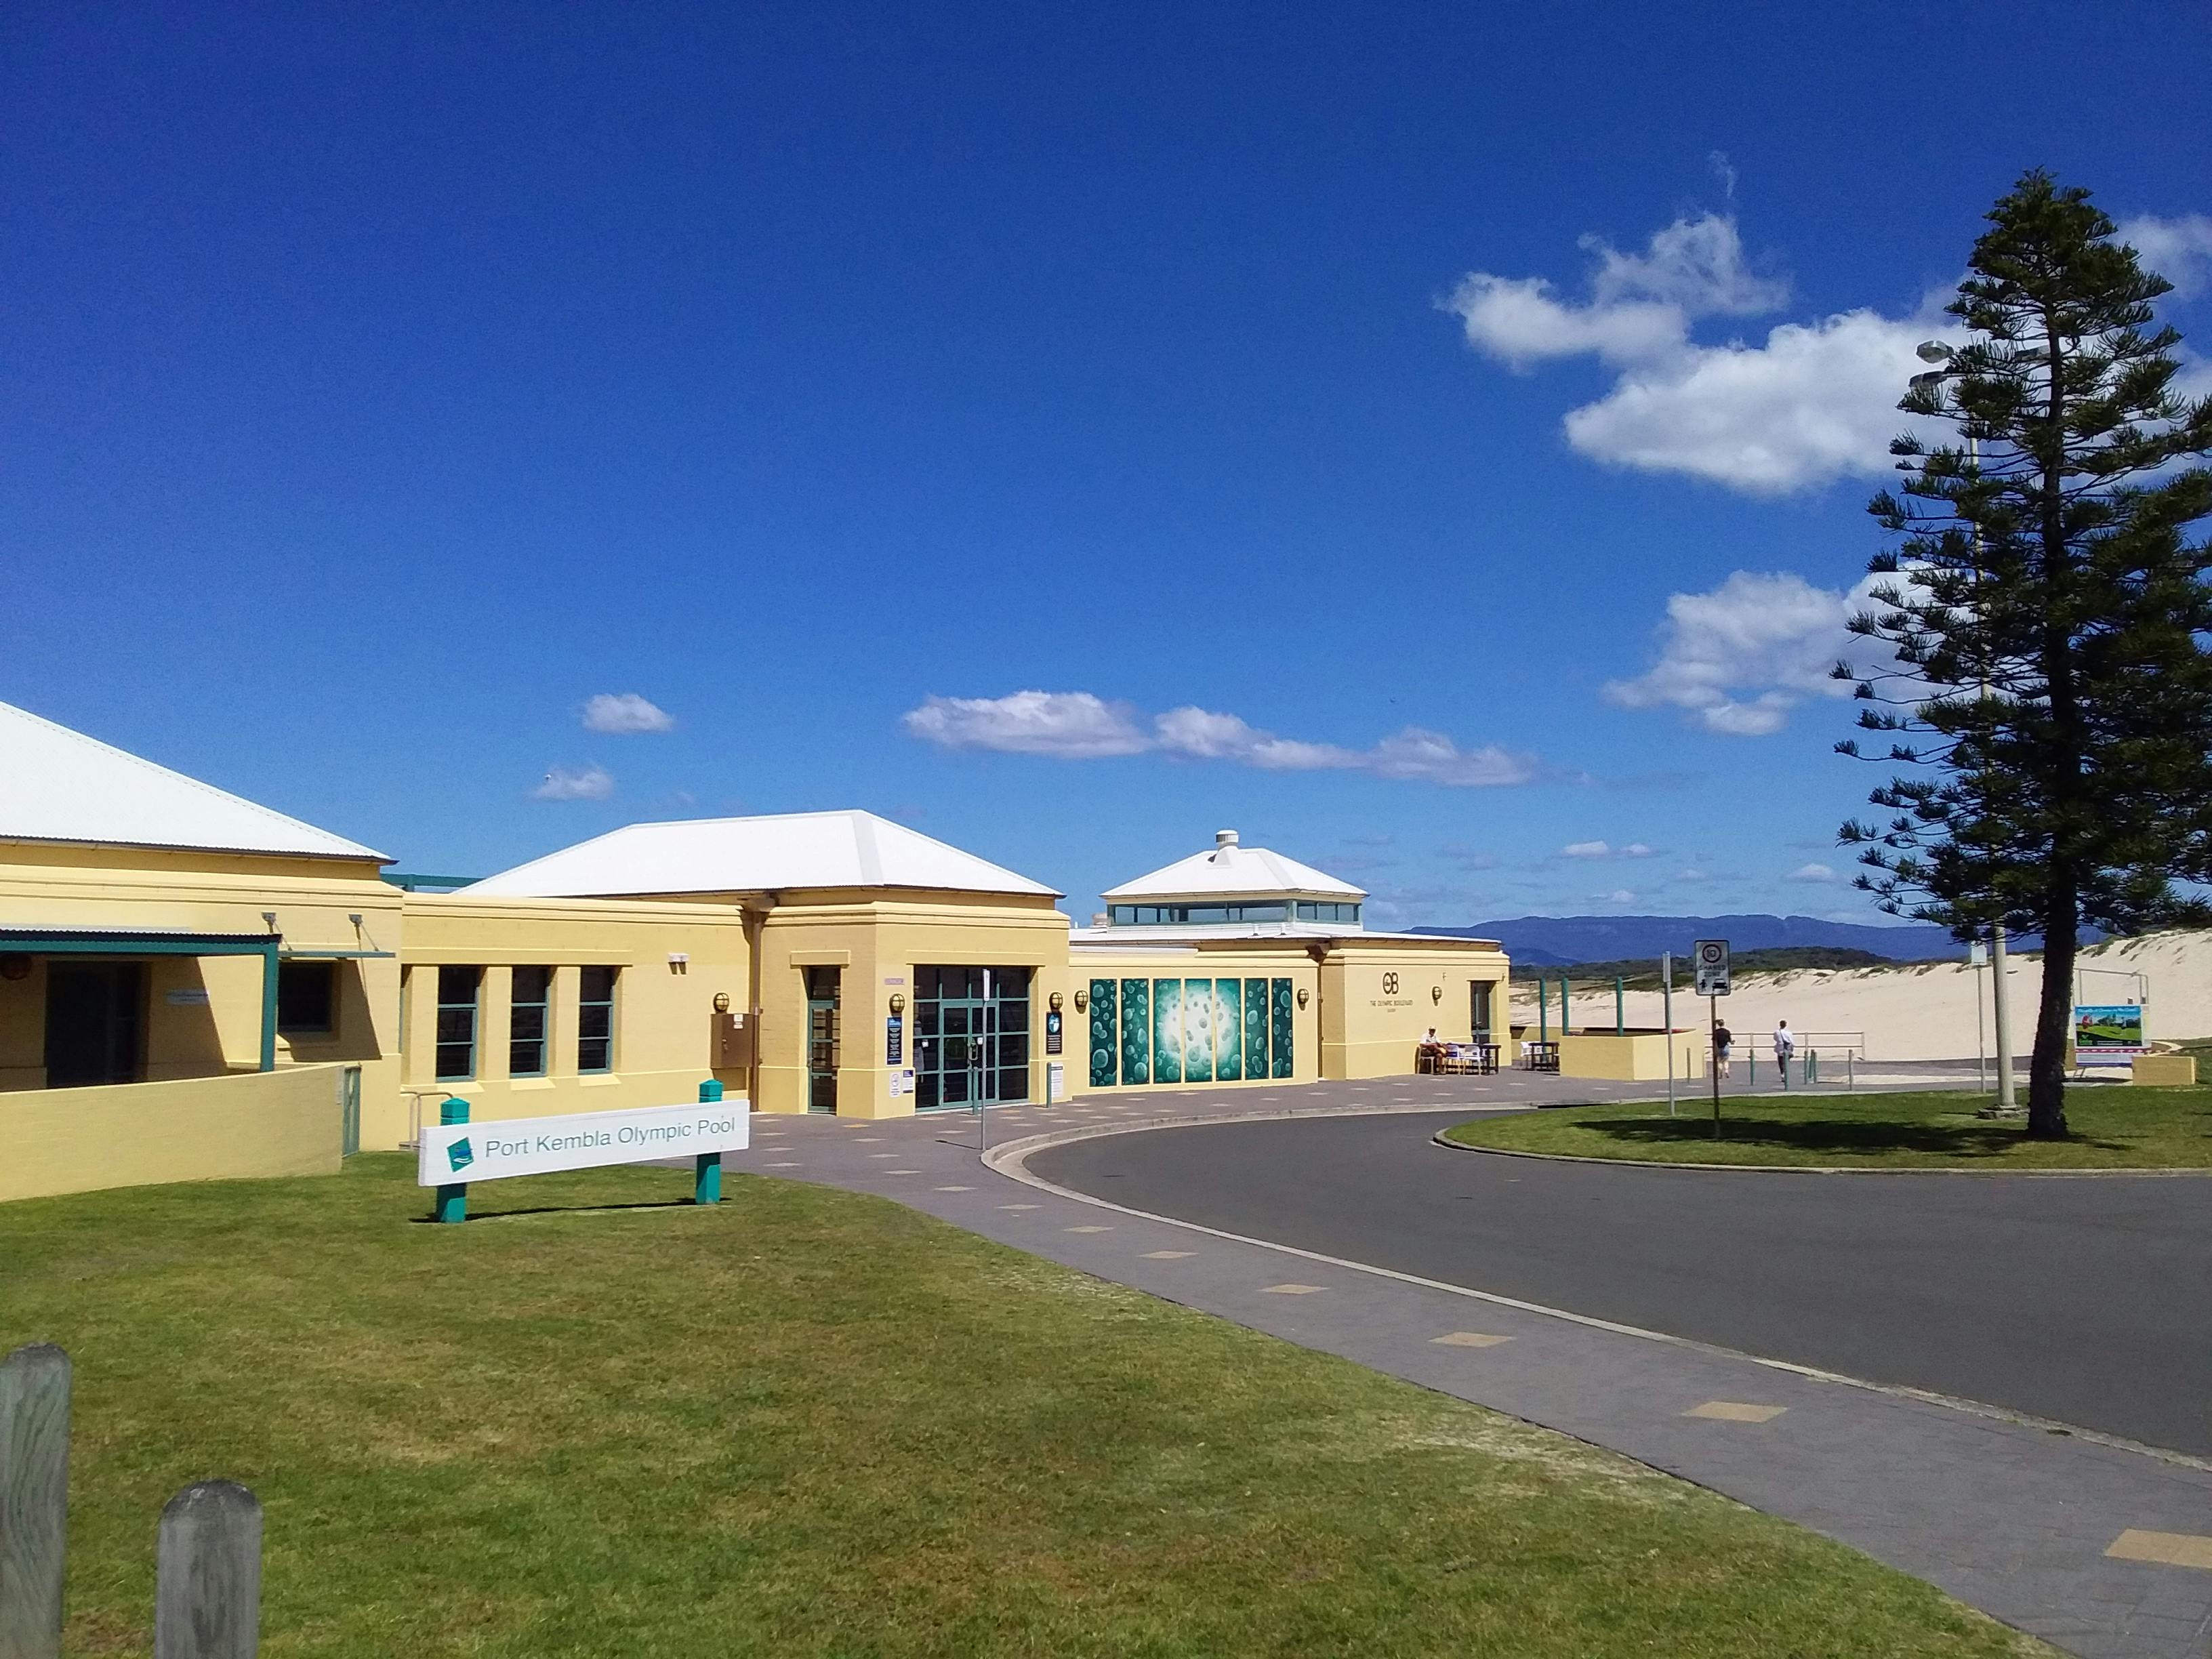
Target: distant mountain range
1563	941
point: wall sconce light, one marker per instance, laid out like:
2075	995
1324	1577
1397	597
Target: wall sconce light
898	1002
1302	996
1082	1000
1435	994
721	1002
1052	1002
269	916
14	966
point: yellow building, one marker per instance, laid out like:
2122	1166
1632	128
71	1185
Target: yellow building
1239	965
155	931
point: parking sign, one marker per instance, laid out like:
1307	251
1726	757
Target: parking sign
1712	964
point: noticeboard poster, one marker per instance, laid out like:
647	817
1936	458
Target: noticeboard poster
2108	1033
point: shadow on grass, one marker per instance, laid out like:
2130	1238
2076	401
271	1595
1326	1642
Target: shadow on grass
1831	1135
476	1216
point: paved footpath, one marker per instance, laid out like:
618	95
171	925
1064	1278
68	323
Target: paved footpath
2099	1548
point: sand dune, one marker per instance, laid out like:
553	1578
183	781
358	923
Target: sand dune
1926	1011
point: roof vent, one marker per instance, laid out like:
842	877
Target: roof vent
1224	839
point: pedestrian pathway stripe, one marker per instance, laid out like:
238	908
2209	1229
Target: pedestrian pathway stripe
1090	1229
1736	1411
1469	1339
956	1189
2167	1549
1018	1206
1169	1255
1292	1290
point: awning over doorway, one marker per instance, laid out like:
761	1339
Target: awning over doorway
159	942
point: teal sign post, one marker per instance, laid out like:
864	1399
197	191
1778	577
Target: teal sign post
453	1196
707	1171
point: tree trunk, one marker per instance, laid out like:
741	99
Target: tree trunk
2054	1017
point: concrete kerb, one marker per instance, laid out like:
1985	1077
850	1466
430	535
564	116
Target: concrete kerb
1012	1161
1792	1168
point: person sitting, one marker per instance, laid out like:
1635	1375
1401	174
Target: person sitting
1428	1051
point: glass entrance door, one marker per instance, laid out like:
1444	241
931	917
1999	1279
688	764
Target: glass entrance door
1478	1012
971	1037
822	1039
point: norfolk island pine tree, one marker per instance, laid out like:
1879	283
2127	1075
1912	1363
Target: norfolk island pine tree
2047	556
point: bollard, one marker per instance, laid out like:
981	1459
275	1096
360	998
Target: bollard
453	1200
707	1174
207	1574
34	1432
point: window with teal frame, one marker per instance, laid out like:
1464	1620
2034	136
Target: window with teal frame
595	1020
529	1009
1105	1034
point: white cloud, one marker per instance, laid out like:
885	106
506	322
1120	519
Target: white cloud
1694	264
1690	875
1816	403
1586	849
1812	403
2178	249
1811	872
1740	657
1079	726
1635	849
572	783
625	711
1069	724
1618	895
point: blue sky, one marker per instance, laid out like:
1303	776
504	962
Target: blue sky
1320	407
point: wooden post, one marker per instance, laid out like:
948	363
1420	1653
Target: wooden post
34	1428
707	1174
207	1583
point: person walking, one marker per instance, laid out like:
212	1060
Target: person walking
1723	1042
1784	1046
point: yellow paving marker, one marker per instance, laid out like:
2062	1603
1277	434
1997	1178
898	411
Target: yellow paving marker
1735	1411
1168	1255
1292	1290
1090	1229
2168	1549
1469	1339
956	1189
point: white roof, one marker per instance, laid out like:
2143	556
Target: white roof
59	785
754	855
1230	870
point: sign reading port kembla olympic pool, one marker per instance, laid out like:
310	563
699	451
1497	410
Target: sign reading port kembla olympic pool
494	1148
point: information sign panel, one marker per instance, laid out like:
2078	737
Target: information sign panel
496	1148
1711	961
2108	1033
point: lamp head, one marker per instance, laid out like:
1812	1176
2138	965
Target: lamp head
1934	351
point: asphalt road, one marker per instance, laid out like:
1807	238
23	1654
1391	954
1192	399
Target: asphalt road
2086	1300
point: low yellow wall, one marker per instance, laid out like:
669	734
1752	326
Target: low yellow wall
1637	1057
136	1134
2163	1071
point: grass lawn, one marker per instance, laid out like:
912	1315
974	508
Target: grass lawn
808	1422
2115	1127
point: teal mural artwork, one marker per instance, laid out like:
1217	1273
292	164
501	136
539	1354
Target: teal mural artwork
1228	1028
1255	1028
1198	1030
1167	1031
1103	1034
1136	1031
1279	1002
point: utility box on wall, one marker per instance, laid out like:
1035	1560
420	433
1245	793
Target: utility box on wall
736	1040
